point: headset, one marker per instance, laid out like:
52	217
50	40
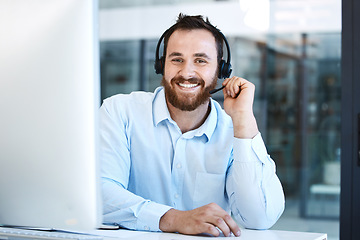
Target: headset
224	67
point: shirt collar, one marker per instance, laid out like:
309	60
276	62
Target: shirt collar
160	110
161	113
208	127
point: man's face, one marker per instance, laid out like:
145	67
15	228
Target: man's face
190	68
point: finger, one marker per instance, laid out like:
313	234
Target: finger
226	92
227	84
221	219
233	87
226	81
222	225
209	229
236	87
234	228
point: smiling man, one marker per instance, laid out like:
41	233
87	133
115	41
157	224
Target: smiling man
185	87
174	160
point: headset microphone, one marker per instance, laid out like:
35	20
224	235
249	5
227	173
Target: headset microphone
216	90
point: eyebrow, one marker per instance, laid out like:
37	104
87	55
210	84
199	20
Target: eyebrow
177	54
203	55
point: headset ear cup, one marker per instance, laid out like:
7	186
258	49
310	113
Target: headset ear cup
221	69
159	66
162	60
224	69
227	70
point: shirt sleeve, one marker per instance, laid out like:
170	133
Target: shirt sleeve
255	193
121	206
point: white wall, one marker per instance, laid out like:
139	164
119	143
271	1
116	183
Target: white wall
246	17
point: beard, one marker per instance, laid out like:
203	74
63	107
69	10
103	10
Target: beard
190	101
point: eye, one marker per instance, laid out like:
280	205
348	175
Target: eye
200	61
176	60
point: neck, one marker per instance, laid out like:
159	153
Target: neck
189	120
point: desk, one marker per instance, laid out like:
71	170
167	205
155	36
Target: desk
245	235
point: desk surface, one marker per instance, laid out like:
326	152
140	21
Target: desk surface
245	235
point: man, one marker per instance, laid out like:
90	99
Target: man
174	161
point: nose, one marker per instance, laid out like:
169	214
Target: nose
187	70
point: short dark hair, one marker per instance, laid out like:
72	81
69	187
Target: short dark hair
185	22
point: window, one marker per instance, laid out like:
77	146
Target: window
296	66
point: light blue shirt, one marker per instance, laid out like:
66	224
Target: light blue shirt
150	166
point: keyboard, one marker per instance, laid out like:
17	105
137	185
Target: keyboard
25	234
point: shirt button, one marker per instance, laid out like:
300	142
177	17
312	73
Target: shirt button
176	195
178	165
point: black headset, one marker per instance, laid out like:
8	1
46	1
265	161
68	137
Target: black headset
224	67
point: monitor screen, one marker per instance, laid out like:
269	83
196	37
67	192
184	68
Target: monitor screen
49	99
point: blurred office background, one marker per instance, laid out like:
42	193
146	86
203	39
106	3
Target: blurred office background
290	49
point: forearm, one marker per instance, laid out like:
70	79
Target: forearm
245	126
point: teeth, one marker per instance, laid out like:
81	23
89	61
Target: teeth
187	85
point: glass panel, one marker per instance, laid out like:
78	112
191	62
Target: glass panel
323	126
120	63
303	128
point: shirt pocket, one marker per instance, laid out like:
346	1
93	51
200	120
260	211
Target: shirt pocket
209	188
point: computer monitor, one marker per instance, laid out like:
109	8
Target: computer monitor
49	99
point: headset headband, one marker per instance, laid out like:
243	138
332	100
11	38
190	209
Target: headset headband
224	67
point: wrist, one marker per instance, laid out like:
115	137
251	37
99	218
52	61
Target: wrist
167	221
245	126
